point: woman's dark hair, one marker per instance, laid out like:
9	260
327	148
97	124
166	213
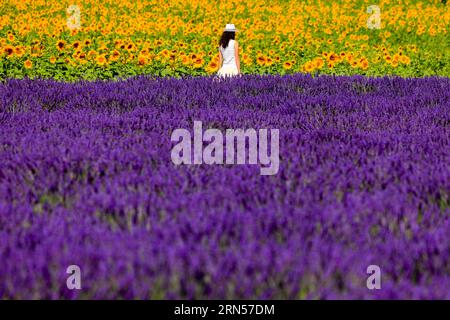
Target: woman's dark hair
226	37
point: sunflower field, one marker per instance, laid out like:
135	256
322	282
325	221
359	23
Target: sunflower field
70	40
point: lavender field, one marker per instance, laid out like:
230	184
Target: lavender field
86	179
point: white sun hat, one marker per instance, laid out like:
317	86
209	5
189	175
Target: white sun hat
230	27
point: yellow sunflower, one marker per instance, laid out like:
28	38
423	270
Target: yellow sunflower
261	60
101	60
318	62
212	66
76	45
309	66
142	60
9	50
287	65
28	64
60	45
198	62
364	64
333	58
184	59
406	60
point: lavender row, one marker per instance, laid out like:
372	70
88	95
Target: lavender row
86	179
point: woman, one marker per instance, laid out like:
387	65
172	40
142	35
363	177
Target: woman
229	53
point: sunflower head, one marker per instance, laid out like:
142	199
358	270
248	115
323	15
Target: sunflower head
60	45
101	60
76	45
287	65
261	60
28	64
9	50
198	62
142	60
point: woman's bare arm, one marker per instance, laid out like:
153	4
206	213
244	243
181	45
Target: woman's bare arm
220	59
236	55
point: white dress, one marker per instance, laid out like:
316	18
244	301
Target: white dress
229	67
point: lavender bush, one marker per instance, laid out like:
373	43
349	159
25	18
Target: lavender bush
86	179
